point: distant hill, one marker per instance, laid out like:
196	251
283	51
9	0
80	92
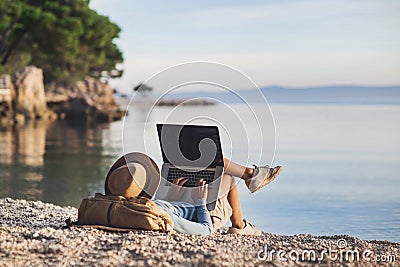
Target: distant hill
340	94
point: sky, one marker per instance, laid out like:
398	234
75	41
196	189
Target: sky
274	42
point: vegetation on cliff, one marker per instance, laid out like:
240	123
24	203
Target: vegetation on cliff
65	38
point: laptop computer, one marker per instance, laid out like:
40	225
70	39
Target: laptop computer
193	152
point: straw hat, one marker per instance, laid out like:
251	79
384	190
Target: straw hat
128	180
131	174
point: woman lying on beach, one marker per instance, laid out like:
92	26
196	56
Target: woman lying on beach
136	174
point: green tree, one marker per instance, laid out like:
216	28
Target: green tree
143	89
66	38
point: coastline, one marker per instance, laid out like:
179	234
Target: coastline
33	234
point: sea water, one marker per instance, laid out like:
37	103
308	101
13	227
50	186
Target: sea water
341	163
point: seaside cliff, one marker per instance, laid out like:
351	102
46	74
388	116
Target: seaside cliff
33	233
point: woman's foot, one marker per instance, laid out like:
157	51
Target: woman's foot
247	229
262	176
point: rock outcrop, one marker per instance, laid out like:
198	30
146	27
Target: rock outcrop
30	98
24	98
7	95
89	99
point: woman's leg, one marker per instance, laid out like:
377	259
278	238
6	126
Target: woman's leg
234	202
229	189
243	172
237	170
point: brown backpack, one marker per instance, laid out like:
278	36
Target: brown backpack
118	213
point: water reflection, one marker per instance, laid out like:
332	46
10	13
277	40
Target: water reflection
22	158
56	162
24	145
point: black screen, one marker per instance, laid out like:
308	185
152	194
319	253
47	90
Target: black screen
190	145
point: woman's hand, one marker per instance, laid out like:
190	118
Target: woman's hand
176	191
200	191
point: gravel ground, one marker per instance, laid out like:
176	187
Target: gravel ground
33	234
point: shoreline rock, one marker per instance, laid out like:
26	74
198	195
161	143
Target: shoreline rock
24	97
7	95
89	99
30	99
33	234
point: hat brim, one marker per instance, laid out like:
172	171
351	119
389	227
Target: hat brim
152	171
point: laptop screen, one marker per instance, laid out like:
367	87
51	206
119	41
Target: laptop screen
190	145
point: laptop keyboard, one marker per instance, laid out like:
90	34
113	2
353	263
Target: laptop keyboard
192	176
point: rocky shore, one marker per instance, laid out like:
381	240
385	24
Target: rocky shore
24	96
33	234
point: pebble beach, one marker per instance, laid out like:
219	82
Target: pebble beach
34	233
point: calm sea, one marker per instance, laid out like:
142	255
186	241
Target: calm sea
341	164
